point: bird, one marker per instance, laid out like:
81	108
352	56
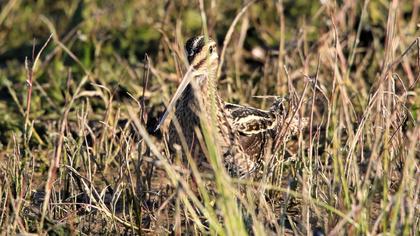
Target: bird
245	135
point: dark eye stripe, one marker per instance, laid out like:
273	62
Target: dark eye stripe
200	63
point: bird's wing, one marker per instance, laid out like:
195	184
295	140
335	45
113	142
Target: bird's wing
249	120
255	128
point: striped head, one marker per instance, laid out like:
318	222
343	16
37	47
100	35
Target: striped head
202	57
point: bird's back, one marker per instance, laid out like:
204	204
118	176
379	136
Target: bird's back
259	131
256	129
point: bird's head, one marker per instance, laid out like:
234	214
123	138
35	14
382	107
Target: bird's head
203	59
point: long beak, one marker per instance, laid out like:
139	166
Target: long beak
185	81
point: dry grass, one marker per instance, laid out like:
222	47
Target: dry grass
80	159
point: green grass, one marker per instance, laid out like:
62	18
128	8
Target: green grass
70	162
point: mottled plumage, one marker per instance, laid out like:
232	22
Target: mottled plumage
245	135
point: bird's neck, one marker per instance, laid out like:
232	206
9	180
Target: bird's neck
212	103
202	94
208	90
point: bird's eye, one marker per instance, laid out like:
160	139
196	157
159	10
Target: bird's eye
211	49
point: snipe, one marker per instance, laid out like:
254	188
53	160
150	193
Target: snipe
244	135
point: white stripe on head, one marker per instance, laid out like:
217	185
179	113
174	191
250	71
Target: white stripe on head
198	39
